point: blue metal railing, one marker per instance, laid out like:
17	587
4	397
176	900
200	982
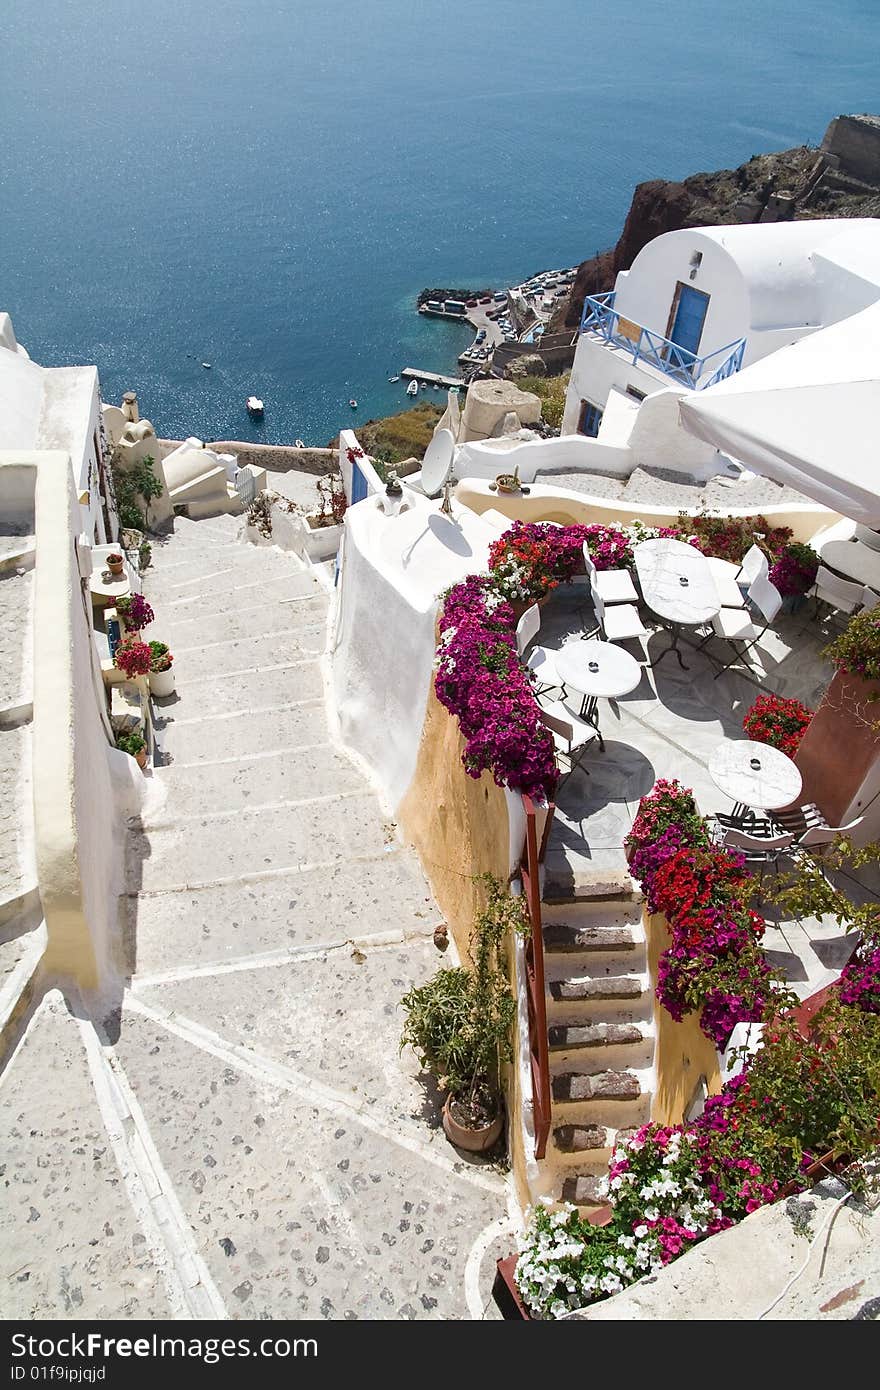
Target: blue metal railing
600	316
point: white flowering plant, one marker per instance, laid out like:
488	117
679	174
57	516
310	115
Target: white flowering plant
660	1206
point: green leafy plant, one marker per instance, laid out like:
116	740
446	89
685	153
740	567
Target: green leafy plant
135	487
857	649
160	656
132	743
459	1022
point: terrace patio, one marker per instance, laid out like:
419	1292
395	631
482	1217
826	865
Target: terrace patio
668	727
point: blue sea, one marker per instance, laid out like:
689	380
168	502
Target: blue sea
267	186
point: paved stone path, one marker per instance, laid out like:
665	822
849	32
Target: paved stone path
243	1138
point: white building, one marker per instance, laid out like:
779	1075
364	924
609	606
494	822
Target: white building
57	408
696	306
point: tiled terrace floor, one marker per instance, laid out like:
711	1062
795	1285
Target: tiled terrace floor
668	727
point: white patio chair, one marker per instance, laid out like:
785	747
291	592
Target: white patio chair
618	623
734	625
724	574
615	586
571	736
759	847
869	599
754	562
539	660
838	595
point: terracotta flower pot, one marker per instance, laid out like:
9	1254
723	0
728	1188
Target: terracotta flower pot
116	566
475	1141
141	757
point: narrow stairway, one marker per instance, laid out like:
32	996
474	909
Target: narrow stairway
600	1033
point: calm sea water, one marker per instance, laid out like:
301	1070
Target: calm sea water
267	186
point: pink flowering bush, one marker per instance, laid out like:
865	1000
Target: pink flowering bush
860	980
480	679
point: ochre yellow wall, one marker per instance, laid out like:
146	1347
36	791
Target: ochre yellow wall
458	825
684	1053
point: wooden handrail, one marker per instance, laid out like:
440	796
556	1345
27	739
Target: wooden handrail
534	960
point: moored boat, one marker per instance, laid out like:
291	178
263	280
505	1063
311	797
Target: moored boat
413	388
254	406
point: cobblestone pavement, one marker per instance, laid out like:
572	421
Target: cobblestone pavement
246	1139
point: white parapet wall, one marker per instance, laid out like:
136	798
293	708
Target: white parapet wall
572	453
77	833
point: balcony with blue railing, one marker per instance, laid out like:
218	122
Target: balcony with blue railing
652	349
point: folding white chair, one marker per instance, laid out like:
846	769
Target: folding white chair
724	574
838	595
735	626
754	562
615	586
539	660
571	736
618	623
869	599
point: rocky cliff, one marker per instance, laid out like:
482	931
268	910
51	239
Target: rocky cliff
797	183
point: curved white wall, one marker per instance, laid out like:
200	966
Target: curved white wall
392	572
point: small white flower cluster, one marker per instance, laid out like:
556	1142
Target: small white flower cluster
512	580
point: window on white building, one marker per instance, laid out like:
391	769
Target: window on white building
590	419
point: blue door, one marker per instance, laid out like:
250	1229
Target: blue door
688	318
358	484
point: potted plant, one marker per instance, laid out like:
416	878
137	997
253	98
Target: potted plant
134	611
132	656
779	721
161	675
323	528
508	482
459	1025
133	744
794	573
115	563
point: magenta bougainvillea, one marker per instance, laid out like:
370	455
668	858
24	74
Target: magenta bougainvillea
481	680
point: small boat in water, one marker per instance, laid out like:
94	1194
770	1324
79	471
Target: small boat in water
207	365
436	386
299	444
254	406
394	378
353	403
413	388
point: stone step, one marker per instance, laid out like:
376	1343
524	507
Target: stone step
190	740
243	596
565	883
243	653
257	688
600	1085
253	840
603	987
566	937
585	1190
567	1037
78	1247
293	910
193	631
291	776
590	1142
208	573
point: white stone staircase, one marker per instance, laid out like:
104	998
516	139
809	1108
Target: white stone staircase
600	1033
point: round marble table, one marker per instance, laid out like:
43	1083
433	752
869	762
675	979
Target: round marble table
105	586
596	670
774	783
677	585
854	561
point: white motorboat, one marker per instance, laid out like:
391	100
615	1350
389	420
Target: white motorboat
254	405
413	388
207	365
394	378
299	444
353	403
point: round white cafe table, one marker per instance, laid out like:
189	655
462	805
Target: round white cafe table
105	586
853	560
774	783
596	670
677	585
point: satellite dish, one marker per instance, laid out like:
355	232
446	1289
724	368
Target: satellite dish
437	463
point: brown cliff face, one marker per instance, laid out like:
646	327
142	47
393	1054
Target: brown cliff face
746	194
